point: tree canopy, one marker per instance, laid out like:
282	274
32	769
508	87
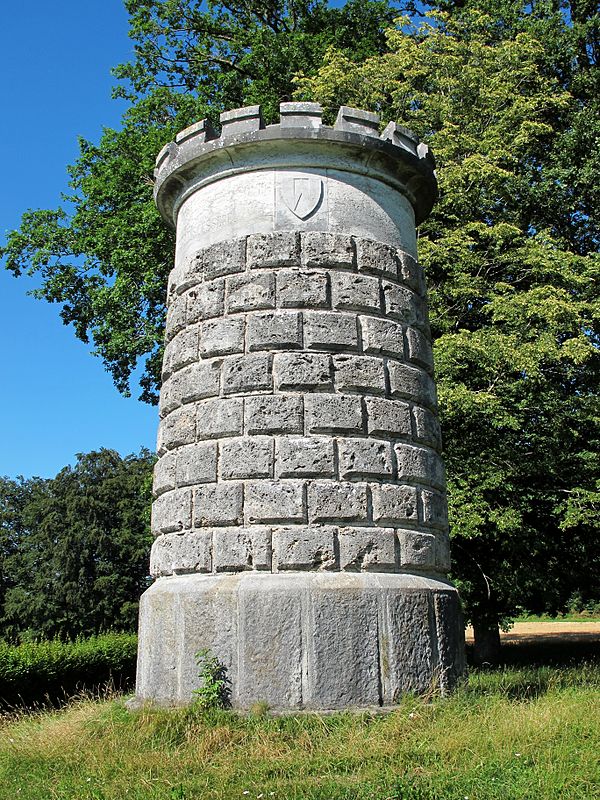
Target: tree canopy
507	94
74	548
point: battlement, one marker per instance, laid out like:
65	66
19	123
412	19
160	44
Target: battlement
396	155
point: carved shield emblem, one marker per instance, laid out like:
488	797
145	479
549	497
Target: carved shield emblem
303	196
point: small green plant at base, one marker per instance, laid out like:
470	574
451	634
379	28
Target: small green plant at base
214	691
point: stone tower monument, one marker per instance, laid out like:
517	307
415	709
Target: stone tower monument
300	516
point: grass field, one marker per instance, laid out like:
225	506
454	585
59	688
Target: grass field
514	733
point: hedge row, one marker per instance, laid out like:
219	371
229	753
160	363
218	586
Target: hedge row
51	672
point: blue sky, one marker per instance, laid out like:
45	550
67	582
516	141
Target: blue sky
56	399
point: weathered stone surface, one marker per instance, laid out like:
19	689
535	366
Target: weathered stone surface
164	474
352	292
403	304
333	413
302	288
204	301
251	292
412	383
236	549
417	550
394	505
184	348
274	331
380	336
217	418
377	258
197	463
427	428
274	501
274	250
387	417
330	330
364	549
224	258
327	250
221	337
419	464
362	374
218	504
274	414
435	509
299	547
172	511
250	373
419	349
303	372
178	428
195	382
365	458
305	457
332	501
411	273
249	457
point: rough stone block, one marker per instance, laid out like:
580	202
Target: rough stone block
205	301
274	250
404	305
241	120
184	348
191	552
218	504
166	402
274	501
393	504
218	418
442	552
236	549
412	383
364	549
172	511
387	417
299	547
195	382
330	330
300	115
249	373
419	349
434	509
327	250
352	292
274	331
249	457
221	337
380	336
359	374
411	273
224	258
427	427
417	550
176	317
305	457
250	292
380	259
302	288
303	372
333	413
357	120
274	414
161	556
178	428
331	501
364	458
164	474
183	278
197	463
421	465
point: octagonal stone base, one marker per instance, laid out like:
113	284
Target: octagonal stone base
301	640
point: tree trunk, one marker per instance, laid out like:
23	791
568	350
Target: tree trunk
486	649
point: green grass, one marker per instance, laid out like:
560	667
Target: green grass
580	616
510	734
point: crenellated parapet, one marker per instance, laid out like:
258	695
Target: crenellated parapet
396	156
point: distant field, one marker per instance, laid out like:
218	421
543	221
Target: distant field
512	734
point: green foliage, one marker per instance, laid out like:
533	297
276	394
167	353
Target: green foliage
511	259
74	549
106	260
214	689
35	672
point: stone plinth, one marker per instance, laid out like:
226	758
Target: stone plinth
300	515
